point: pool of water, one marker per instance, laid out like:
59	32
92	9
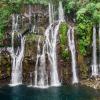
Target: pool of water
55	93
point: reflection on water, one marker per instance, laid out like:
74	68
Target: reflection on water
55	93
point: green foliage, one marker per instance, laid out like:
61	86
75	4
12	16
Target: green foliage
30	1
64	54
84	33
96	14
63	40
25	1
4	13
8	7
14	8
81	15
35	1
89	13
63	31
70	6
87	16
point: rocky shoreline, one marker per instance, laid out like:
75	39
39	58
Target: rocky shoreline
93	83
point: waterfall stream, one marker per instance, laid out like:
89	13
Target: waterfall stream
99	45
72	48
41	79
49	48
51	43
17	58
17	54
94	61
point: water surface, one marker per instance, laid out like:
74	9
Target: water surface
55	93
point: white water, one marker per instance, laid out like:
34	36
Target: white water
51	18
49	48
61	12
41	78
17	58
71	42
30	14
51	43
15	27
17	55
94	61
37	61
99	45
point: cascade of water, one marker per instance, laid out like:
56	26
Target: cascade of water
51	14
31	78
99	45
15	23
42	70
71	42
94	61
49	48
41	78
51	43
30	18
17	56
37	61
33	28
61	12
30	14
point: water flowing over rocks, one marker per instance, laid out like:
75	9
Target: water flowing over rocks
40	20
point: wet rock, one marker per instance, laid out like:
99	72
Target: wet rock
93	83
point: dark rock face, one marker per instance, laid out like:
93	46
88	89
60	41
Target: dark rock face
39	17
29	61
5	68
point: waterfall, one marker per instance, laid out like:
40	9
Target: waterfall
15	27
30	14
51	42
61	12
99	45
41	78
16	55
49	48
43	81
30	17
37	61
71	42
50	14
94	61
17	58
